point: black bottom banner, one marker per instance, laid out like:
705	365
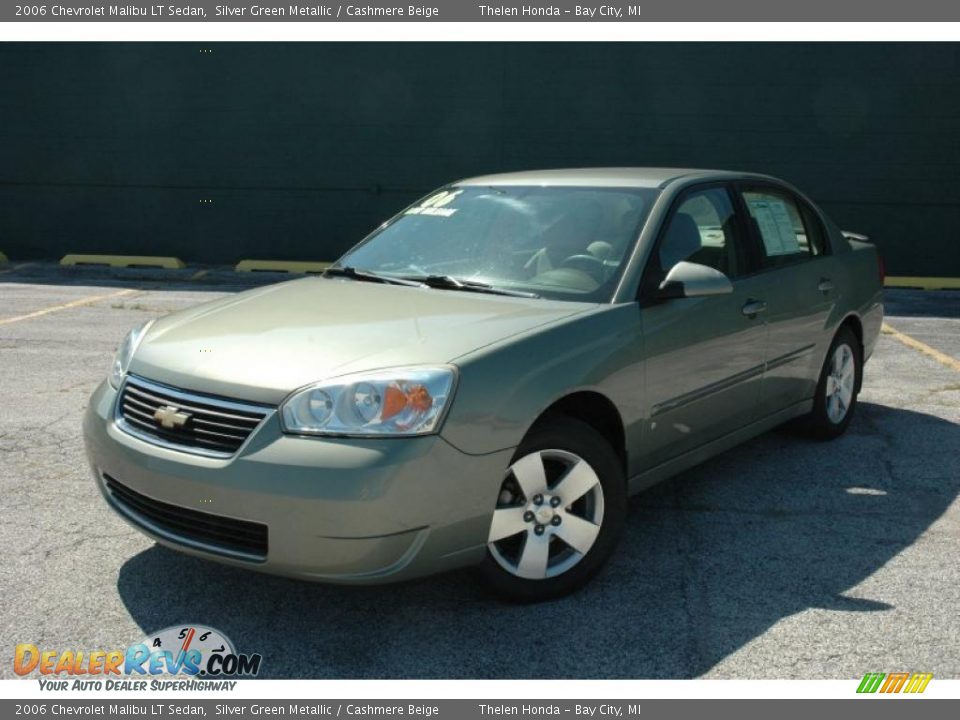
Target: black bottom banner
782	709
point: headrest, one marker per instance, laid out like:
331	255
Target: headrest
600	250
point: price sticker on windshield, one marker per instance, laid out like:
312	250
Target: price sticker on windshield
436	204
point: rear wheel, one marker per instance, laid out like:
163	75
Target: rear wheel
559	512
836	397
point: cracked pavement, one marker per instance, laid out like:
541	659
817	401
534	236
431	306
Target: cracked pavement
783	558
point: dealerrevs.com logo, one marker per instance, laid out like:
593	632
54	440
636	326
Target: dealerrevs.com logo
182	657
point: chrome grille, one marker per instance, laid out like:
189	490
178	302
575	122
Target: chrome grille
188	421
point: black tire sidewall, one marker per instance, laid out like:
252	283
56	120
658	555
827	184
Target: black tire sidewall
564	433
821	424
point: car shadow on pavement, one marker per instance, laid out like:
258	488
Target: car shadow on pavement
709	561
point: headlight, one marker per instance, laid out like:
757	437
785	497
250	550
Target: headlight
121	361
397	402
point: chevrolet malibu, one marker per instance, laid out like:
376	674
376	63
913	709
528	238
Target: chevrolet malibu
488	376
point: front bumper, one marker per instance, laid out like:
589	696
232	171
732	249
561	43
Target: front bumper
336	510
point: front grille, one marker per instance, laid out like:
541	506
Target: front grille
191	527
202	424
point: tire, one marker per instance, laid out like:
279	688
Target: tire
837	389
559	513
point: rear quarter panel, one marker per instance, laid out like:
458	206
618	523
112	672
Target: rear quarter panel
858	273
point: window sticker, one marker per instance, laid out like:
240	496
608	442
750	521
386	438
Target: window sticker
776	227
435	204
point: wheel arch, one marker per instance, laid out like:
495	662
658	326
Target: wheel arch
853	322
596	410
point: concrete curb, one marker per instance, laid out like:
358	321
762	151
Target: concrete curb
290	266
148	261
923	283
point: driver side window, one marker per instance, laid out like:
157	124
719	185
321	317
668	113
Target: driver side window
703	230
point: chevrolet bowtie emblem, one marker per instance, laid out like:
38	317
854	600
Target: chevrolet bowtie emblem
171	417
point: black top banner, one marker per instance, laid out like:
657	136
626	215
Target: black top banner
472	11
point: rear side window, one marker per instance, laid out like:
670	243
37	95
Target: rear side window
815	231
786	233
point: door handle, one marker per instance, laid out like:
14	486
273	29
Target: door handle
753	307
825	285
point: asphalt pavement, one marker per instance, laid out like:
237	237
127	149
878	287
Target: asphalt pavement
783	558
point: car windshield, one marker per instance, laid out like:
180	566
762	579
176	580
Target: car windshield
565	243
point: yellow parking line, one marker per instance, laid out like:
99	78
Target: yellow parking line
66	306
942	358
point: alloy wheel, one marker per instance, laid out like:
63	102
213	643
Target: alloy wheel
840	382
548	514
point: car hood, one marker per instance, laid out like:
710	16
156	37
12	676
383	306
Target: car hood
261	344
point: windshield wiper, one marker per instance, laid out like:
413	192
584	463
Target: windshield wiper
448	282
367	276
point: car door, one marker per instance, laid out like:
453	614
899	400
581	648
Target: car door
799	293
703	355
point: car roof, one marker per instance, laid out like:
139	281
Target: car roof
647	177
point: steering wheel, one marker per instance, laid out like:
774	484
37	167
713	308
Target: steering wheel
588	264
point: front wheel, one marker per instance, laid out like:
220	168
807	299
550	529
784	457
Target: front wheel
837	389
559	512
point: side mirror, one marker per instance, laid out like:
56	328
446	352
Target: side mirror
687	279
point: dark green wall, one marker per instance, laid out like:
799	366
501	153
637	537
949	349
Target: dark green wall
304	147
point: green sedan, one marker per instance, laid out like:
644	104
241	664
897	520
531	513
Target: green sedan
488	376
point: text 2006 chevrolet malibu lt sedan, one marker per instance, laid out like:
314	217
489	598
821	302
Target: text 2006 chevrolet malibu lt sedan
487	377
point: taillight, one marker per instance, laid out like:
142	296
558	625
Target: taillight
881	268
